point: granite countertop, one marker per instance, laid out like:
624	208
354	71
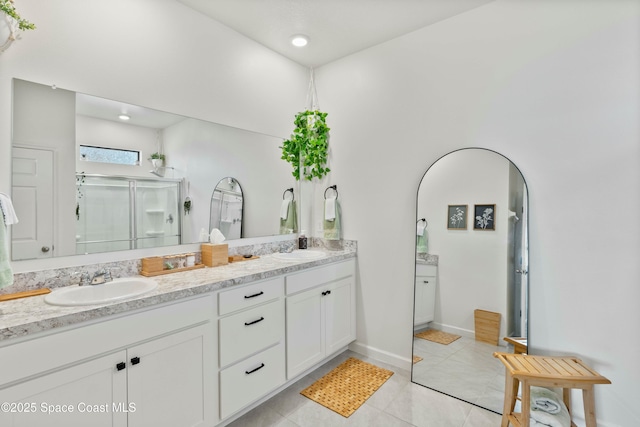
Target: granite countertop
26	316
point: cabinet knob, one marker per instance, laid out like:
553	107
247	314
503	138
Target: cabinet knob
325	293
256	369
120	366
425	281
254	295
254	322
135	360
45	249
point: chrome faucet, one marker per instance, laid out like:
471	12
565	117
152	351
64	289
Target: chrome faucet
101	276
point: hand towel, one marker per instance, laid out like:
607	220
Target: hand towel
7	209
6	274
543	399
284	208
333	228
422	243
330	209
421	227
289	224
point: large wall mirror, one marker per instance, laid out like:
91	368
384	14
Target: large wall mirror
71	199
471	274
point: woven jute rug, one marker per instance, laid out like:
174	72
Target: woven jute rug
416	359
348	386
437	336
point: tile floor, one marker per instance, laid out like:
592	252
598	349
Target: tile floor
398	403
465	368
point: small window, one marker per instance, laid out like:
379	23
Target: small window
109	155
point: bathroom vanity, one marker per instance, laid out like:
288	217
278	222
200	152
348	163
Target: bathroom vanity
200	350
425	293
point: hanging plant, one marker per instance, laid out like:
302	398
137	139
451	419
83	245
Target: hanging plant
309	141
7	7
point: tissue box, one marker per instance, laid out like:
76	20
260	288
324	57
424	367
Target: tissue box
215	255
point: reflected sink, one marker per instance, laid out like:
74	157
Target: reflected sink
115	290
299	255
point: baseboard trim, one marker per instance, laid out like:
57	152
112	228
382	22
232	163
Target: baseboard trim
381	355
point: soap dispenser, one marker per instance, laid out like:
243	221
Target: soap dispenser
302	240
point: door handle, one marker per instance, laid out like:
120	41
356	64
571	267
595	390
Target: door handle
525	272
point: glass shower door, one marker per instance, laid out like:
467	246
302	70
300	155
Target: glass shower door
103	219
157	213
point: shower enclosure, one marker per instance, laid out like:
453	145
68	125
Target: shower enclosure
121	213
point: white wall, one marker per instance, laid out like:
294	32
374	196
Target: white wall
554	87
472	264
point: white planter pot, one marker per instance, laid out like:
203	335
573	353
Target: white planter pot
8	31
157	163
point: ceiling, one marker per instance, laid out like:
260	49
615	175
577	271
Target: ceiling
336	28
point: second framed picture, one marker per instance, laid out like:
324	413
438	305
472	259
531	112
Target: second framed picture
484	217
457	217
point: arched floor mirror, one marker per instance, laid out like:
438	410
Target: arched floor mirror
471	274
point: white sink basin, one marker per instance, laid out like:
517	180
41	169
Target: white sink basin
115	290
299	255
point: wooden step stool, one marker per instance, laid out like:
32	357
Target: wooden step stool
550	372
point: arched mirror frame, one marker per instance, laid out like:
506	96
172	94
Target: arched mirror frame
232	182
523	270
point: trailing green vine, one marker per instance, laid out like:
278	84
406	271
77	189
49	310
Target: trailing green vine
309	140
79	182
7	7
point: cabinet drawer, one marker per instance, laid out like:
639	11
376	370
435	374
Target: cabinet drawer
318	276
251	379
249	296
249	331
426	269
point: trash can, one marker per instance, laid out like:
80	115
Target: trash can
487	326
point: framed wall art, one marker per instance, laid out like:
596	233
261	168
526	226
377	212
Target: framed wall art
484	217
457	217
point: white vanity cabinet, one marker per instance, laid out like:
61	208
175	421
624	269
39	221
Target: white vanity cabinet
425	294
321	316
112	374
251	343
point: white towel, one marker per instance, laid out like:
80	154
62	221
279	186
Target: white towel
7	209
330	209
420	228
544	400
284	208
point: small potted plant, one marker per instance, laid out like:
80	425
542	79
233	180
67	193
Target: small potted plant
157	160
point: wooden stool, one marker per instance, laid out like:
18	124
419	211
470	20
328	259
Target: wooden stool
519	344
551	372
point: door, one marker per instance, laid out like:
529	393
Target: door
157	219
32	196
425	299
169	380
339	315
79	396
305	331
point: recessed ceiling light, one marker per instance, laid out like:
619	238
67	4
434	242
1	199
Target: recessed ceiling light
124	117
299	40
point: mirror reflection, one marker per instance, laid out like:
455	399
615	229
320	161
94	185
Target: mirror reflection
471	274
227	207
81	162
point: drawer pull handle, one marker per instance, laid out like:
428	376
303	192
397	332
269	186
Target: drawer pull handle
254	322
135	360
256	369
325	293
120	366
254	295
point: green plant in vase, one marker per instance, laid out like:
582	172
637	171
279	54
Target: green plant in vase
9	9
308	146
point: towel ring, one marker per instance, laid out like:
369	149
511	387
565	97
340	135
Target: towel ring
334	188
425	222
293	196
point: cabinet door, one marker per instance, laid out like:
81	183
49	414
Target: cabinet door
425	299
340	314
305	331
87	394
170	380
